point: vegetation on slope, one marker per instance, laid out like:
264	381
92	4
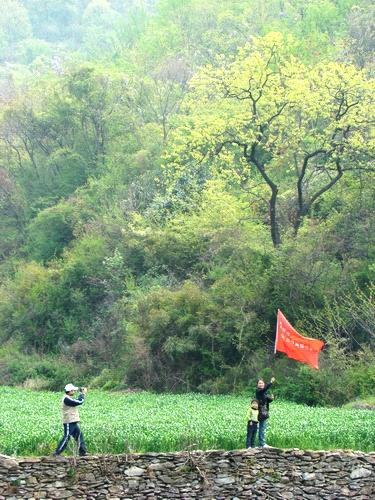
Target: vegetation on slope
172	173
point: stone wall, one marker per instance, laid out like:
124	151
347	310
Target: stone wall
268	473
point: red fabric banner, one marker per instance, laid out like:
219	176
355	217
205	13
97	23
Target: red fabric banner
294	345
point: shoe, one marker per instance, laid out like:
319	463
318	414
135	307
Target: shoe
266	446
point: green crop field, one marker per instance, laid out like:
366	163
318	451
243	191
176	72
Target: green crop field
30	423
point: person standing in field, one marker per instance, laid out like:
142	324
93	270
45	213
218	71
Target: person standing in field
252	424
264	400
70	419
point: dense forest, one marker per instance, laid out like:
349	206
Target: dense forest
172	173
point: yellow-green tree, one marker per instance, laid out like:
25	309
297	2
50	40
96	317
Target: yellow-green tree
265	118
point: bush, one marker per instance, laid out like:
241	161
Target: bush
33	371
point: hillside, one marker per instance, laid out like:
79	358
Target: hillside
172	173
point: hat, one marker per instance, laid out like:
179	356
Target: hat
70	387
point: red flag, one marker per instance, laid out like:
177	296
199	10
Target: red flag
295	346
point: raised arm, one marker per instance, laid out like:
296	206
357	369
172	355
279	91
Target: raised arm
69	401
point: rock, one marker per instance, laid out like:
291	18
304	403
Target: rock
116	490
224	479
8	462
89	477
361	472
135	471
60	494
241	474
308	476
166	479
31	480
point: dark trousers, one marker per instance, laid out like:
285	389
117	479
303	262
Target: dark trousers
72	430
251	434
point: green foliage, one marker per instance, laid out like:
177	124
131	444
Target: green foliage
260	142
14	27
12	214
57	20
176	336
172	174
98	22
360	38
34	371
50	232
146	422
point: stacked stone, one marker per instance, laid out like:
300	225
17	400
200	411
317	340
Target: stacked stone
264	473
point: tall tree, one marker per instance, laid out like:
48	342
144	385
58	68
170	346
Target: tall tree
266	117
57	133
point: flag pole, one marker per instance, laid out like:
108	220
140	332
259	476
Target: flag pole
277	331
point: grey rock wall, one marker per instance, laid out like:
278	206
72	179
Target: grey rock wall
269	473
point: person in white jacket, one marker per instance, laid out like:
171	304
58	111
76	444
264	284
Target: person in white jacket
70	419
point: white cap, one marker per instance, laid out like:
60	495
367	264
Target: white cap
70	387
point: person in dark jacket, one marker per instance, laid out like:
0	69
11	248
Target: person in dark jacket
70	419
264	400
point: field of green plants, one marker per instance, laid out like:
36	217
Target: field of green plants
30	423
